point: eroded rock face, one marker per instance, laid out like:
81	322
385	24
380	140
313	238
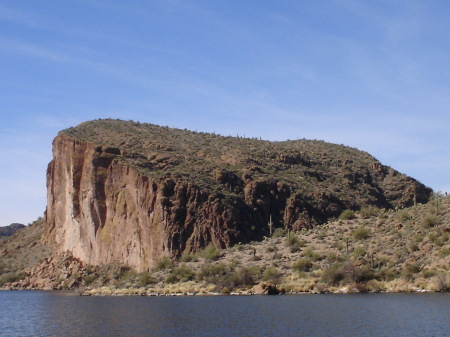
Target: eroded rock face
103	212
102	209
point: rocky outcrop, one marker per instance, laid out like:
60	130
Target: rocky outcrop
60	271
109	201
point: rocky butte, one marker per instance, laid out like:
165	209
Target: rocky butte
120	191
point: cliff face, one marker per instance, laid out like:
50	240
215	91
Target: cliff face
109	202
103	211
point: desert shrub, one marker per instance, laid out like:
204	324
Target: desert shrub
429	221
347	215
427	273
331	257
444	252
145	278
440	282
418	238
295	243
89	279
412	247
122	272
242	277
12	277
188	258
249	275
410	271
333	275
374	286
386	273
402	215
278	232
303	264
211	273
180	274
361	233
272	275
320	288
164	263
363	274
368	212
359	251
271	249
210	252
435	238
309	252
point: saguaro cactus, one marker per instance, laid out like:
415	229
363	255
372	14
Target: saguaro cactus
270	226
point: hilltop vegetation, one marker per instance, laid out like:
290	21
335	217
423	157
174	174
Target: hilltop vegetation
323	178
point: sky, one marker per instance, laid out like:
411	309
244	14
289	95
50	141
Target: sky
374	75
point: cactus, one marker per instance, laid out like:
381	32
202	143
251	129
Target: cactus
270	226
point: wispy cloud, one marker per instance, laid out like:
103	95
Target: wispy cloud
17	16
17	47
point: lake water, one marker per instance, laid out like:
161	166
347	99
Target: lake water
40	313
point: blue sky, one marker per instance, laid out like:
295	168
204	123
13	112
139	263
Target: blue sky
369	74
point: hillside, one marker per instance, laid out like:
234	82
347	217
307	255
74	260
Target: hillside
371	250
158	191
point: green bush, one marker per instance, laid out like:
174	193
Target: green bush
444	252
295	243
363	274
427	273
12	277
410	271
278	232
361	233
359	251
402	216
412	247
430	221
243	277
180	274
333	275
368	212
210	252
211	273
89	279
347	215
145	278
303	264
164	263
272	275
435	238
188	258
386	273
418	238
309	252
331	257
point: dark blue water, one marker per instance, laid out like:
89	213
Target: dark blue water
39	313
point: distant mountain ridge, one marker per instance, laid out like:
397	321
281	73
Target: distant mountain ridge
11	229
133	192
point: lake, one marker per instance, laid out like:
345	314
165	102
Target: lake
59	313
